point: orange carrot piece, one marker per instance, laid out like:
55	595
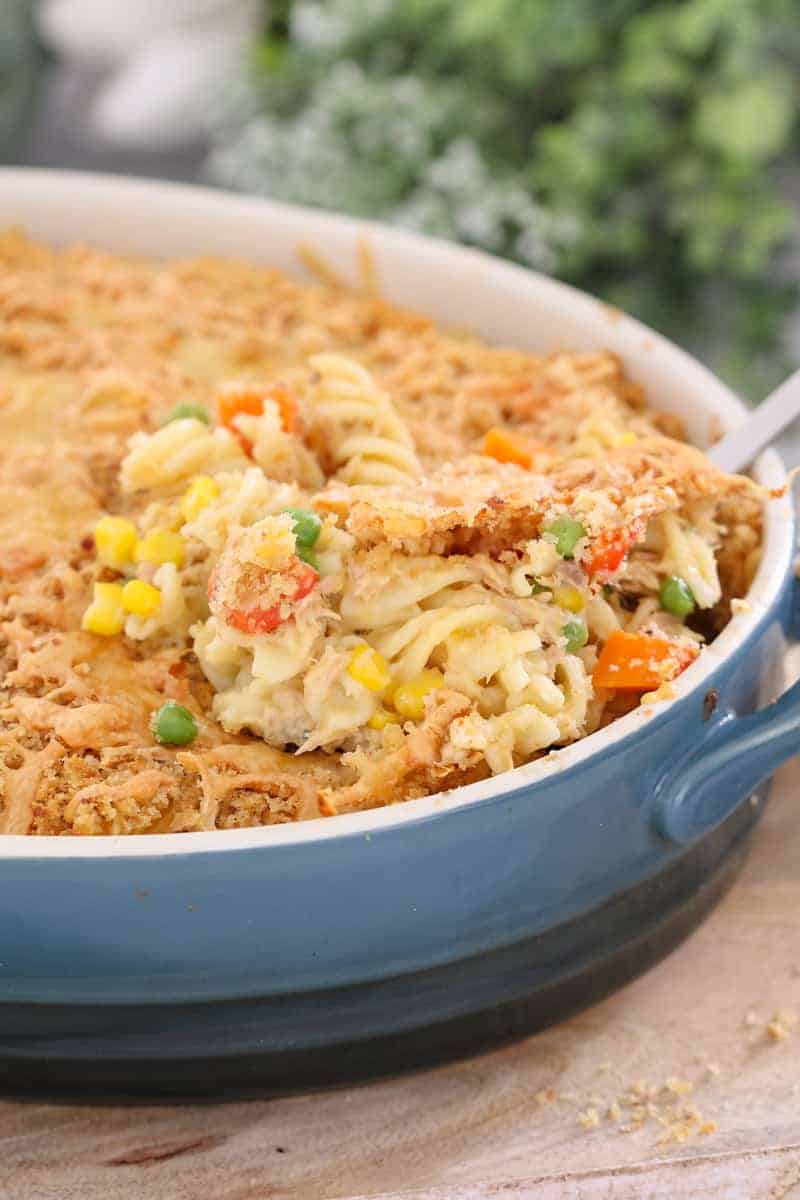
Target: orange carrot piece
507	448
234	401
253	619
608	551
635	662
287	406
249	400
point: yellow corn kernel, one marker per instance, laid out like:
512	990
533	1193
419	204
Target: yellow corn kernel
106	614
200	492
141	599
161	546
569	597
628	438
381	718
369	668
115	539
275	550
409	698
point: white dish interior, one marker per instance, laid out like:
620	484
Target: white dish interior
458	287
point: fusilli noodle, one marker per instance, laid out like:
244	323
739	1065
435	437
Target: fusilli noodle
181	449
365	437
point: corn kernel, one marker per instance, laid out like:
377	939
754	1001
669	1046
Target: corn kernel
369	668
409	698
569	597
140	598
200	492
628	438
275	550
115	539
161	546
106	614
381	718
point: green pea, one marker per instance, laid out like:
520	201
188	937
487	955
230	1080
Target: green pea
173	725
308	556
577	635
307	525
182	411
567	534
676	597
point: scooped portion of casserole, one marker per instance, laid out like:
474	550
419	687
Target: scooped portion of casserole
271	552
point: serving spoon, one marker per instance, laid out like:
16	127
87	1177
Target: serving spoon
738	449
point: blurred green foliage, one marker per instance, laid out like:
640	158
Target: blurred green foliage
633	147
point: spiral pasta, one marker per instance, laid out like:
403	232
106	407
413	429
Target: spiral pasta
497	651
364	435
377	595
175	452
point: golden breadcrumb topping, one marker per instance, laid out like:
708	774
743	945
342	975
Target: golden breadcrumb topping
366	558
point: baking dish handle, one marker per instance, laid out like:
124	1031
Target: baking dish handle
705	787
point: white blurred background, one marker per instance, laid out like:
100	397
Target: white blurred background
129	85
156	63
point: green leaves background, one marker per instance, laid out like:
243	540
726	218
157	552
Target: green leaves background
633	147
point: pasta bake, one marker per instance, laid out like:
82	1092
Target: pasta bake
274	551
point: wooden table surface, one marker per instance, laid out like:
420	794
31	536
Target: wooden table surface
685	1084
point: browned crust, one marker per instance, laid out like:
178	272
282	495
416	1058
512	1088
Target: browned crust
93	348
478	505
414	768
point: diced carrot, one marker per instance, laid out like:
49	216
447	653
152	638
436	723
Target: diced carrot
287	406
306	579
635	662
607	552
507	447
254	619
249	400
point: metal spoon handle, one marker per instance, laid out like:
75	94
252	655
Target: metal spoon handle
739	448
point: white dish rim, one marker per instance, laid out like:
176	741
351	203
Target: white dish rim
21	187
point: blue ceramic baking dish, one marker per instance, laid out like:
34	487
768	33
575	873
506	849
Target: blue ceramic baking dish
296	955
